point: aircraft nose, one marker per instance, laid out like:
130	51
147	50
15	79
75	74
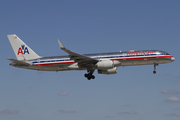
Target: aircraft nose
172	59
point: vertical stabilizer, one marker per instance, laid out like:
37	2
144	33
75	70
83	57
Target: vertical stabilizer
21	50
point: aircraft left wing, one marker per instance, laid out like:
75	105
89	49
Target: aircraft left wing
82	60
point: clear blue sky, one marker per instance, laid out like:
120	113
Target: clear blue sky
134	93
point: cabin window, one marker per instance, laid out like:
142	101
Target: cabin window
166	54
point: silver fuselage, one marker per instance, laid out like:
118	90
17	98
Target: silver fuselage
129	58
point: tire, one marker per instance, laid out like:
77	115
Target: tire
85	75
89	78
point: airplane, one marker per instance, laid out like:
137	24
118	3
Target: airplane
105	63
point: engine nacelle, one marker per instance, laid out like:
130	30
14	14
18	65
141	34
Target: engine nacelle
108	71
105	64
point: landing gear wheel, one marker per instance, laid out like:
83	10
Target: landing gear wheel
154	72
85	75
89	78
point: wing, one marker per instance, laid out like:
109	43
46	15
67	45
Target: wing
18	62
83	61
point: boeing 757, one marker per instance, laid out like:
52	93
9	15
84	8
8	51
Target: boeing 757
105	63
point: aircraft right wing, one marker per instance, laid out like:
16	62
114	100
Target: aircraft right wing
82	60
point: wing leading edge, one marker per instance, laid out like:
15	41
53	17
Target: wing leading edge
83	61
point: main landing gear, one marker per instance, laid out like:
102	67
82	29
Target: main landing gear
155	68
89	75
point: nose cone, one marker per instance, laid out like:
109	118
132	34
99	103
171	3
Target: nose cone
172	59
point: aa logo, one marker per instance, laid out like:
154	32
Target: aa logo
23	50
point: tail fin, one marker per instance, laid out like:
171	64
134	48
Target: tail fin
21	50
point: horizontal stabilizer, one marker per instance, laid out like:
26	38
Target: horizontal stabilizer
18	62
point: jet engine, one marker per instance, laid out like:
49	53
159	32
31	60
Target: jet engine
105	64
108	71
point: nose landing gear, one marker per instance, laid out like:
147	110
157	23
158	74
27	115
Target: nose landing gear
155	68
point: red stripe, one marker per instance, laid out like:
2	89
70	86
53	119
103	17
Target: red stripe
55	63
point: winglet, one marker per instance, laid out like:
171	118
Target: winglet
61	45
